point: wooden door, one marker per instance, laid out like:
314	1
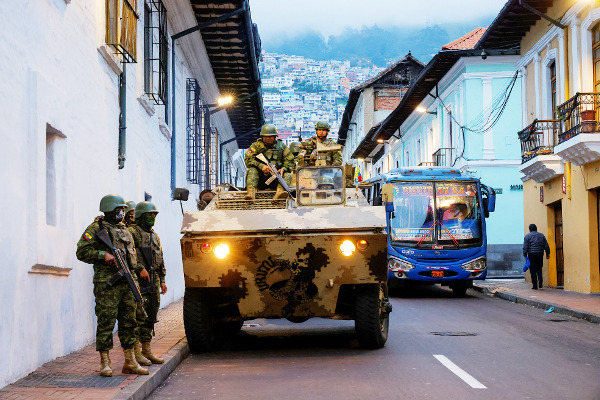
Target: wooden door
558	238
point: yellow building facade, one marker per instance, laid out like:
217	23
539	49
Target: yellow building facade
560	140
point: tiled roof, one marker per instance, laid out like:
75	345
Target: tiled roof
467	41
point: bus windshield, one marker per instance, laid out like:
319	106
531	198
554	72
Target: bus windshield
430	213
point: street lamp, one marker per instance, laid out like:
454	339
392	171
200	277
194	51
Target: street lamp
424	110
224	101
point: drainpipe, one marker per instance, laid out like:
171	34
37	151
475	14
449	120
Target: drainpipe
122	117
173	147
567	96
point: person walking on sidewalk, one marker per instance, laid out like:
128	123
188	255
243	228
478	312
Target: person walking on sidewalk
112	302
534	246
151	277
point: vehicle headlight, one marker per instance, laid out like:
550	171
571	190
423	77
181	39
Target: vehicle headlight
221	250
395	264
475	265
347	248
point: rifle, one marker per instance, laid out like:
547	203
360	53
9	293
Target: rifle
123	268
274	174
149	288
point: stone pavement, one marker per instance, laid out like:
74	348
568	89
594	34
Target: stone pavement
75	376
578	305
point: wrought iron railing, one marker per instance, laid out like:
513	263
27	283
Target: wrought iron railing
539	137
426	164
580	115
443	157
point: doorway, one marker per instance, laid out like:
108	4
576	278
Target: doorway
558	239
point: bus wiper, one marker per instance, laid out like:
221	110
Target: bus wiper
426	233
451	236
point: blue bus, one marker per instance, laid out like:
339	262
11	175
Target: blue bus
436	225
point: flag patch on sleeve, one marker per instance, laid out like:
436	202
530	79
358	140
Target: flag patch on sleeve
87	236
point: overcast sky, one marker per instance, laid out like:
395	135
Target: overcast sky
330	17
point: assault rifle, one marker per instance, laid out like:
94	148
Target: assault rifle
274	174
149	288
123	268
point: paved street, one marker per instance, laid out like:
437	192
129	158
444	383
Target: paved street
504	350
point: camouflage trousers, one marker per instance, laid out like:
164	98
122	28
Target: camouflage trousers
145	325
258	179
114	303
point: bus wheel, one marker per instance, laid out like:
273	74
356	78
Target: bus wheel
372	317
200	329
459	291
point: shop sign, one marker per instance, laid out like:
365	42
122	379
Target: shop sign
564	185
516	187
541	194
498	190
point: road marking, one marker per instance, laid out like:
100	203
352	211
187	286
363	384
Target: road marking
474	383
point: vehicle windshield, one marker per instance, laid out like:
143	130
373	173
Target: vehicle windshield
442	213
318	185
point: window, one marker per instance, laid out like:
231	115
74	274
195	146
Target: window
55	165
418	152
195	150
121	27
552	68
156	50
596	55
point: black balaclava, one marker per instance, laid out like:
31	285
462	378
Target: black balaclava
115	216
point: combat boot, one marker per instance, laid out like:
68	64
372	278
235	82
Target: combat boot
139	356
147	352
131	366
105	364
250	193
280	193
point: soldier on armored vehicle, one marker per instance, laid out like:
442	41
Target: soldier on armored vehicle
277	153
309	149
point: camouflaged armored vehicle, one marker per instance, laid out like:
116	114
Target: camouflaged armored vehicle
322	254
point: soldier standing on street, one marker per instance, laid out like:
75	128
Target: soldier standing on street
117	301
129	219
151	277
277	153
308	148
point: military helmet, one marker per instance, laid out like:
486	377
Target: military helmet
322	125
111	201
325	180
295	148
144	207
130	206
268	130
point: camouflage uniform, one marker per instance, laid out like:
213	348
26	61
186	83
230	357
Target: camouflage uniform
308	146
142	238
278	154
112	302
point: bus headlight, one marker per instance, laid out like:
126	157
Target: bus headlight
221	250
395	264
475	265
347	248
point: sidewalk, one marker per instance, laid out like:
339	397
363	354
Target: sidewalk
75	376
578	305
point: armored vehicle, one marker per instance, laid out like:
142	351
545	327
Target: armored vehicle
320	254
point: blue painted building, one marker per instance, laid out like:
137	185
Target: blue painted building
463	111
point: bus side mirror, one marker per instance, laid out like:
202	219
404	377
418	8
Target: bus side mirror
489	200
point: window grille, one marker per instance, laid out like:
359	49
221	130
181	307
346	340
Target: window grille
214	156
156	50
195	151
121	27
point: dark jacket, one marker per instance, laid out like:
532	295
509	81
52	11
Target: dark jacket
535	243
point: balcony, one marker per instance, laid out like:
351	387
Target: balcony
537	147
579	142
443	157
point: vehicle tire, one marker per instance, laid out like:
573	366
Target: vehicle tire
200	329
372	317
230	328
459	291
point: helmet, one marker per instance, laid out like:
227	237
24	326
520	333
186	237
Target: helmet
325	180
295	148
268	130
130	206
111	201
144	207
322	125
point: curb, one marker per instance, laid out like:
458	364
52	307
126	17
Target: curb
594	318
143	386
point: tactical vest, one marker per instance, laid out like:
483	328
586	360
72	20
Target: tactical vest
121	239
142	239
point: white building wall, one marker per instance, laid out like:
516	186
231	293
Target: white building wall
59	78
